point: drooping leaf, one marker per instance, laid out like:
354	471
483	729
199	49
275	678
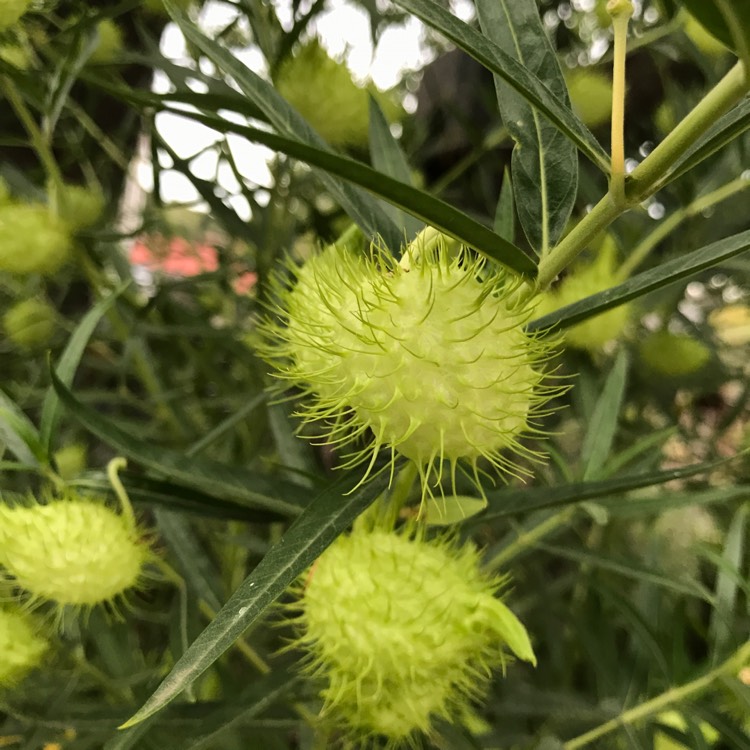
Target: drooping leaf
727	21
544	162
329	514
433	211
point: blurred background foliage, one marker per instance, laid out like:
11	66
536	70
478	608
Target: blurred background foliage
629	584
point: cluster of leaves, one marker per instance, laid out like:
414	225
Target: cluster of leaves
627	548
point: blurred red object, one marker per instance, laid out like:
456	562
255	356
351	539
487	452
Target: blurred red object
174	256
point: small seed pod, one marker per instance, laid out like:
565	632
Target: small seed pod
402	632
430	356
32	240
673	355
110	44
590	95
584	279
71	551
11	11
321	89
30	323
80	207
21	646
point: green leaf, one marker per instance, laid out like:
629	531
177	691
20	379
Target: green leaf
68	364
245	487
19	434
727	21
388	158
726	129
602	426
648	281
509	502
329	514
505	214
726	587
544	162
360	207
523	81
433	211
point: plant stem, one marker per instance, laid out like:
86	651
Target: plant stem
621	11
113	474
674	695
645	178
651	240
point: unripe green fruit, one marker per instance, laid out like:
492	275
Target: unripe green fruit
30	323
403	632
322	91
583	280
21	646
669	354
110	44
70	460
590	95
665	118
72	551
11	11
433	360
32	240
80	207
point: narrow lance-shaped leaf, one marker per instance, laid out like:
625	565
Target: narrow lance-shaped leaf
388	158
526	83
326	517
544	162
434	211
362	208
648	281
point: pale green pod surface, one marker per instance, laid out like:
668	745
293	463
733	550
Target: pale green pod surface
80	207
72	551
111	42
11	11
21	646
30	323
434	361
590	95
32	240
71	460
402	632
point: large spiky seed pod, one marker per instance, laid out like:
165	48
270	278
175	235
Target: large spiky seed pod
429	356
11	11
21	646
71	550
321	89
32	240
402	631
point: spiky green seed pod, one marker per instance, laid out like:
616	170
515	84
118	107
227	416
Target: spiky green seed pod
322	91
32	240
433	361
80	207
30	323
72	551
110	42
403	632
674	355
21	646
11	11
583	280
590	95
